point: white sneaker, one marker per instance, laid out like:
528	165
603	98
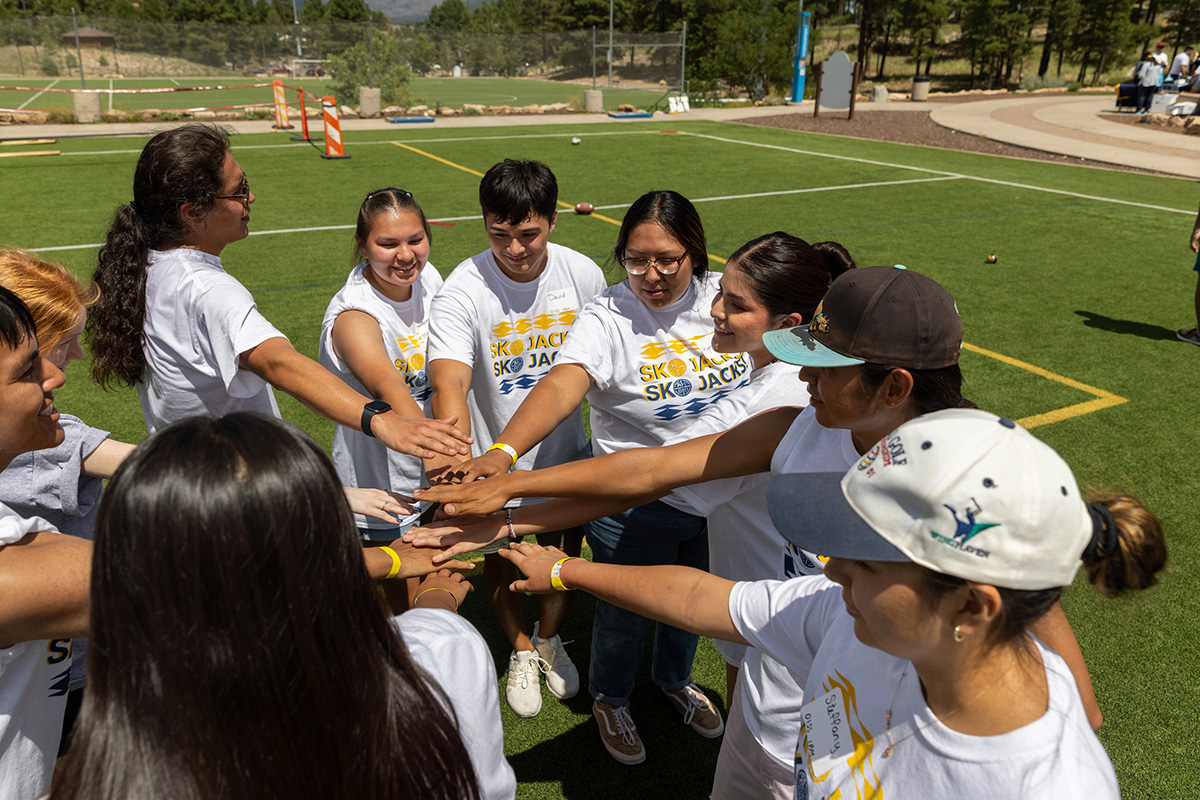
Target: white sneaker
562	679
523	689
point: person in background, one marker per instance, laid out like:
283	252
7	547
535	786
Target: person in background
1160	56
1149	78
1192	335
1179	65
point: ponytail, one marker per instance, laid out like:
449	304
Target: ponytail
1127	546
115	326
182	165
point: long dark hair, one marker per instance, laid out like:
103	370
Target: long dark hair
676	215
787	274
182	165
239	648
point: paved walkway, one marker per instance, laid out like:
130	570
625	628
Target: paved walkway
1067	124
1073	126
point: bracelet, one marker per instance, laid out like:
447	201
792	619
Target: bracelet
512	453
556	581
395	570
436	589
512	533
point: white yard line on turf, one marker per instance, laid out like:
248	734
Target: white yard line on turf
39	94
281	145
872	162
313	229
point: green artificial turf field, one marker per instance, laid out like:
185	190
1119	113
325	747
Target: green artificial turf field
1093	276
452	92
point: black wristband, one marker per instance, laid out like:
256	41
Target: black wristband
370	410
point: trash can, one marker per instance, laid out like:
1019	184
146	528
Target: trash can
920	89
593	101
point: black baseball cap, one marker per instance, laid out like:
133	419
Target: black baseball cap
882	315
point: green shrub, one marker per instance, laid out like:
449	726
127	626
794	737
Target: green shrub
1031	82
103	61
49	67
1074	86
351	70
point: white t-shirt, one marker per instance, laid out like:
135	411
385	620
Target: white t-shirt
743	544
769	694
454	655
1161	58
803	623
199	320
1179	66
510	334
361	460
653	369
34	677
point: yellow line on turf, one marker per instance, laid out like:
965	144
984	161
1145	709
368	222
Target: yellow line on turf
480	174
1103	399
436	158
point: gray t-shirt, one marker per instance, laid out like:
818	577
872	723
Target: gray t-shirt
50	484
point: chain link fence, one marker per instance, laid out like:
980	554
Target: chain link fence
116	47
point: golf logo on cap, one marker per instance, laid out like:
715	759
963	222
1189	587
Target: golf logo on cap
890	447
965	530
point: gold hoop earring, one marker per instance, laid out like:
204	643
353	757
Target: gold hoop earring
958	635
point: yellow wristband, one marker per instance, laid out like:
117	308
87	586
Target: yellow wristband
395	562
436	589
555	580
507	448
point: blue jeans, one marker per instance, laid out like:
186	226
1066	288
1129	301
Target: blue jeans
652	534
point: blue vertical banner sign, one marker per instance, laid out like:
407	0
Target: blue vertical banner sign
801	56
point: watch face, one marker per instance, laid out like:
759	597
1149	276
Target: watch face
378	406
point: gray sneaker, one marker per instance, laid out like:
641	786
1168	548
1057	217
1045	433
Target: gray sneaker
618	733
698	711
562	679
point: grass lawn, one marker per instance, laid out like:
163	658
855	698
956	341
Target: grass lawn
453	92
1093	276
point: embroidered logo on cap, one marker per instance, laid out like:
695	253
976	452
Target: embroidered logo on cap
965	530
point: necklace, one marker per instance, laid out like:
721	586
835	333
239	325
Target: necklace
888	718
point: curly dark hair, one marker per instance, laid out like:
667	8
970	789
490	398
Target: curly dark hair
182	165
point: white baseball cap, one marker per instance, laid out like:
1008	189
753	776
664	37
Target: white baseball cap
962	492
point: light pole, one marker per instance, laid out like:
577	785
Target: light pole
610	41
296	19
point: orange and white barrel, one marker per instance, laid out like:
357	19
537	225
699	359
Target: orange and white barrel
281	114
333	130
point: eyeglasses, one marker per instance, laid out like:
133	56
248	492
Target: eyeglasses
663	266
242	195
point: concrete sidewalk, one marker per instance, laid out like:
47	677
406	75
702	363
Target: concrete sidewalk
514	120
1074	126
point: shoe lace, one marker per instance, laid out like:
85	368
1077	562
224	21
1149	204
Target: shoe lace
625	726
696	702
527	670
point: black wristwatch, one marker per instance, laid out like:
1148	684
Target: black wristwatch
369	410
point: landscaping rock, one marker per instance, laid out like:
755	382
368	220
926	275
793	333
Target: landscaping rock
473	108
